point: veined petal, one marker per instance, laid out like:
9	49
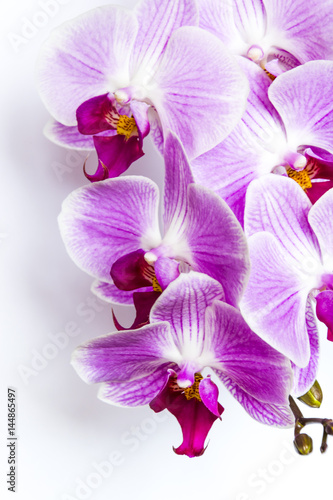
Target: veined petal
157	20
255	366
278	205
183	305
110	293
101	222
86	57
305	377
166	270
269	414
178	176
200	107
135	392
250	19
324	311
124	356
216	241
274	301
303	98
321	221
68	137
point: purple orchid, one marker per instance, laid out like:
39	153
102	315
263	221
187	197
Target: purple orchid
277	34
291	251
161	364
112	226
287	128
114	74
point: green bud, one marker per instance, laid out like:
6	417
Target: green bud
313	397
303	444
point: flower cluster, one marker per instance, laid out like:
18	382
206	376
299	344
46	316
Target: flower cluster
229	288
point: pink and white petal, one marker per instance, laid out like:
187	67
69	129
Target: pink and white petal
303	98
278	205
324	310
217	17
274	301
209	393
68	137
156	131
250	18
102	222
140	114
86	57
269	414
137	392
302	29
304	377
183	305
216	241
166	270
157	20
200	107
255	366
124	356
178	176
321	221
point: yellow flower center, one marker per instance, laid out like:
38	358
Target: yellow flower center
156	285
301	177
193	391
126	126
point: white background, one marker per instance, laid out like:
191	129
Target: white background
64	432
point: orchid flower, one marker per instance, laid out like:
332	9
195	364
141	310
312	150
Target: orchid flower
287	128
114	74
161	364
112	227
291	251
277	34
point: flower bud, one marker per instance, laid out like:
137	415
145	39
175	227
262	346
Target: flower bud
313	397
303	444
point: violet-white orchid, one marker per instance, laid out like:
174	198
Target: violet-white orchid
291	251
161	364
287	128
112	227
277	34
114	74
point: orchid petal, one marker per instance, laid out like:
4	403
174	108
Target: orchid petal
86	57
110	293
131	271
250	18
239	353
303	98
209	394
321	221
275	299
101	222
278	205
201	108
117	153
269	414
124	356
135	392
68	137
156	131
324	310
304	377
143	302
158	19
178	176
216	241
166	270
93	116
140	115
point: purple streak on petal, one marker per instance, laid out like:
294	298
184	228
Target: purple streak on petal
305	377
85	57
183	305
110	293
101	222
96	115
131	271
135	392
193	416
303	98
209	394
278	205
156	131
269	414
166	270
140	115
124	356
178	176
324	311
201	108
117	153
321	221
216	241
280	61
250	18
158	19
255	366
274	301
68	137
143	303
